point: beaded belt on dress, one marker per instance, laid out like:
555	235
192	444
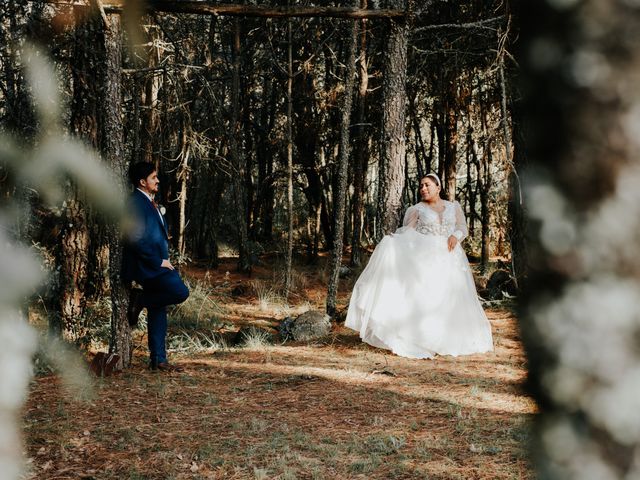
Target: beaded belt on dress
433	229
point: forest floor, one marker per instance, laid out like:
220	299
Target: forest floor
336	409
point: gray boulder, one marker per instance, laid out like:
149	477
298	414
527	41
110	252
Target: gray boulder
311	325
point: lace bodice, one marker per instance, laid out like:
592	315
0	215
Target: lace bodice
427	221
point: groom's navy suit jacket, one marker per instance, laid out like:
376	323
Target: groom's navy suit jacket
147	244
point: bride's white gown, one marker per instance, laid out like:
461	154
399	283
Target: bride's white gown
415	297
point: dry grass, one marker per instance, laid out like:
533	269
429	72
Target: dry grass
339	409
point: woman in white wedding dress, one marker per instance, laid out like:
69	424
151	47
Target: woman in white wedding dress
417	297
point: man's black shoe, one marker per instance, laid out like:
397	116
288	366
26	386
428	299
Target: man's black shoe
165	367
134	309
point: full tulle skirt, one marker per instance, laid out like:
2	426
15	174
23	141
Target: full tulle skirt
418	299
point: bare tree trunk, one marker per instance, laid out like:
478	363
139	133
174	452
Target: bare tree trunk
361	152
422	158
484	186
263	207
339	207
439	121
183	178
580	314
289	257
72	254
244	262
150	116
517	221
485	212
74	244
432	142
451	142
392	158
471	157
113	152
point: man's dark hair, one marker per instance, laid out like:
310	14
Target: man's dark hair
139	171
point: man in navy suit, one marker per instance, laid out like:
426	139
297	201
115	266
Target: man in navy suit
146	260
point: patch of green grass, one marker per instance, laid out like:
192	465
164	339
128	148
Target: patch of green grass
134	474
255	338
300	438
384	444
454	410
260	473
199	311
230	443
257	425
423	452
196	341
268	296
364	465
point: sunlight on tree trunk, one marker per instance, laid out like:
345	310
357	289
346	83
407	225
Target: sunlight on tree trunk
345	150
289	256
183	177
392	158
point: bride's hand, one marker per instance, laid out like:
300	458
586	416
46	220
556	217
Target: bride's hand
452	242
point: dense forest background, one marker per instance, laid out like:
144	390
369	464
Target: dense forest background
244	117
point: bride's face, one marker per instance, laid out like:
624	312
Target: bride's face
429	189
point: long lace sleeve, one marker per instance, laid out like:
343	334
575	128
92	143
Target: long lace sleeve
410	219
461	230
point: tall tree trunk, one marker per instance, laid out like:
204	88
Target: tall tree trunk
263	206
74	242
150	116
517	220
422	158
361	152
72	259
441	133
451	141
339	206
471	156
432	142
113	153
183	178
484	187
392	158
236	150
289	257
485	212
580	313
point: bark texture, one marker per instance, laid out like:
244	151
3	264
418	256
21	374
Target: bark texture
393	149
113	153
339	207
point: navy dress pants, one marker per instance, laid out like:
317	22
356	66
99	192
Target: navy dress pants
159	292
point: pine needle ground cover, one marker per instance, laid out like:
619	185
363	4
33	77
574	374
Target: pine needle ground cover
333	409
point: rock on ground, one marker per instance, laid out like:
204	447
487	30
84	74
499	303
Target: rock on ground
311	325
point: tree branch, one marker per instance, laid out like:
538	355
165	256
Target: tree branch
214	8
481	24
